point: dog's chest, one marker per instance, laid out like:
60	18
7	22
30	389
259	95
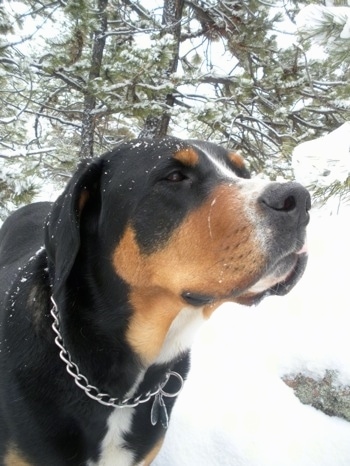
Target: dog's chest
112	450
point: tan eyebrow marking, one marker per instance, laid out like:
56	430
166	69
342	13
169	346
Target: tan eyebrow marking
187	156
236	159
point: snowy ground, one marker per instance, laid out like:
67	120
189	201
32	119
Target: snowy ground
235	409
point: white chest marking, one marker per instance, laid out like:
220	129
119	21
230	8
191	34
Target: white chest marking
113	452
180	334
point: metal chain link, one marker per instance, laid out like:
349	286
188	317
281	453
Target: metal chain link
93	392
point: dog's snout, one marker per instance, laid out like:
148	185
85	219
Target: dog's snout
290	201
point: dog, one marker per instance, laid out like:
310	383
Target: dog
102	291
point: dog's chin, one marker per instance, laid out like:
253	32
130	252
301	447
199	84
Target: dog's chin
279	280
291	270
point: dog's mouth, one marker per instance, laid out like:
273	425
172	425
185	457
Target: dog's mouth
289	271
283	276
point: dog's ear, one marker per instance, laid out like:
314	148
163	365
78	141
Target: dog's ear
62	236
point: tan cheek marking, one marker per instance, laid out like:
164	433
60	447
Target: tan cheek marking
13	458
214	251
153	453
237	159
128	260
187	156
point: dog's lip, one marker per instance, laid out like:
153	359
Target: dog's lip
303	249
284	285
275	286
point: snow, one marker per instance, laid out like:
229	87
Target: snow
324	160
235	410
345	34
312	18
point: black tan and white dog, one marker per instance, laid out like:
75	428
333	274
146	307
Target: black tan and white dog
102	291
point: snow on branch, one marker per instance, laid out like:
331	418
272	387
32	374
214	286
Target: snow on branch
24	153
76	83
326	25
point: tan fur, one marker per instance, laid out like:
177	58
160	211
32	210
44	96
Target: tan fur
14	458
187	156
236	159
153	453
154	311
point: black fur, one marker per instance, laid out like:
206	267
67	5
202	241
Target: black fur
64	250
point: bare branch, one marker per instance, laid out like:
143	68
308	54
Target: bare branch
19	154
76	83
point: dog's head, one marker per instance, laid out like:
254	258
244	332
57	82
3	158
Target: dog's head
182	226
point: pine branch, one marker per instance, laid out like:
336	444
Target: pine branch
140	10
76	83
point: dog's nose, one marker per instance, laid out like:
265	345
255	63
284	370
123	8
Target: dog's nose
287	202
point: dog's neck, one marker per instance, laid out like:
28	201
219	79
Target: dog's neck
130	400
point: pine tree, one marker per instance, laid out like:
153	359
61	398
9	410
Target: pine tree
90	73
17	157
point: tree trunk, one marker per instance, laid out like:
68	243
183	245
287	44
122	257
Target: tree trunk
157	127
88	120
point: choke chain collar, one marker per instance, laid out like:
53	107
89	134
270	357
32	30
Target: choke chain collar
158	411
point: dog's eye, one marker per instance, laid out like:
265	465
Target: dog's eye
176	176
